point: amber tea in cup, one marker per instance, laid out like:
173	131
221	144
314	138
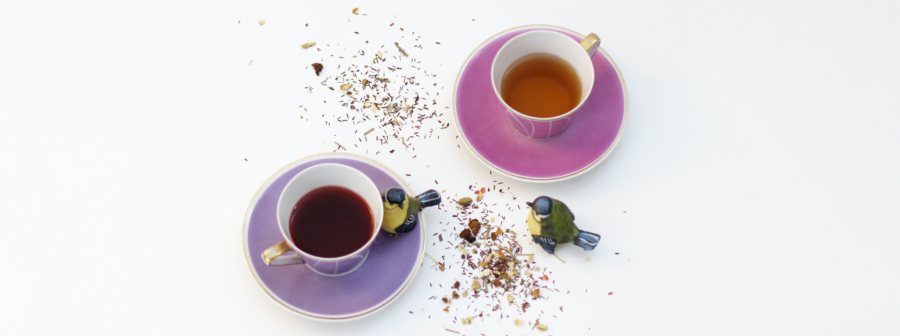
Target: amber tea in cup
541	85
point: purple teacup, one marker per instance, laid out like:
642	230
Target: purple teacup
577	55
309	180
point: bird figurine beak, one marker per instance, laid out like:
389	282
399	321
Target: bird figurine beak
529	204
400	205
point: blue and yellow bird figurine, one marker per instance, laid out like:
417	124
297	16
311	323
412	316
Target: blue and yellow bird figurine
400	210
551	222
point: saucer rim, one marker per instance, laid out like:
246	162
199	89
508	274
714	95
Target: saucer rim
310	315
530	178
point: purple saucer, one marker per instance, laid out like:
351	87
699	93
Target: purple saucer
590	138
390	266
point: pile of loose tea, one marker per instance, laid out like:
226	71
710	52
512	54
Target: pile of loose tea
383	92
494	276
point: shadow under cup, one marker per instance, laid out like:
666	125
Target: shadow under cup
313	178
542	42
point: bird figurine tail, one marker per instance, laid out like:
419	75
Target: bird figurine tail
586	240
429	198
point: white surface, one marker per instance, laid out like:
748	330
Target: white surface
758	169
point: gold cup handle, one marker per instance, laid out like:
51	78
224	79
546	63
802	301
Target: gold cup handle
273	255
590	44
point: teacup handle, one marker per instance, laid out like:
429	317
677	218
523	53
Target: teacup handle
590	44
273	255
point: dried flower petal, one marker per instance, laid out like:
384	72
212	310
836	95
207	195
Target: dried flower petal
455	295
455	285
308	44
536	293
462	250
510	298
355	10
447	309
518	322
476	284
262	22
346	86
540	327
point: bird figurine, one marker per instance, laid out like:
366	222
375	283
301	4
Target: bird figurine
551	222
400	210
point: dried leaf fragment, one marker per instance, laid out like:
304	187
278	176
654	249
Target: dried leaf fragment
355	10
308	44
447	309
474	225
455	295
317	67
536	293
466	320
467	235
476	284
401	49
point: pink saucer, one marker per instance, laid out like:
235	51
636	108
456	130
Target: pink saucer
482	122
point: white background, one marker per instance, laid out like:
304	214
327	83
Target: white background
758	167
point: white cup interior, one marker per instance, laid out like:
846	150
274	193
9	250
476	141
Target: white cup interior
323	175
548	42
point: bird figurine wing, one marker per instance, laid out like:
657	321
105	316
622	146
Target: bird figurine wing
560	226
